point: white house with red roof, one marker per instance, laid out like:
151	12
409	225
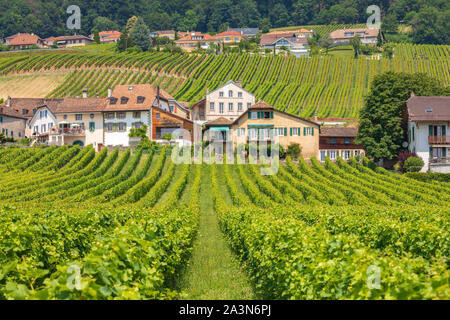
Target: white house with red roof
24	41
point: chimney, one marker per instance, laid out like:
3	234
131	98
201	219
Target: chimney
96	94
412	94
239	83
157	96
109	92
85	93
8	102
315	116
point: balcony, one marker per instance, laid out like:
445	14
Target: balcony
439	140
76	132
441	165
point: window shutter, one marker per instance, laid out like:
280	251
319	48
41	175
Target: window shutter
239	132
290	131
299	131
249	115
443	131
271	114
431	151
285	132
312	131
304	131
430	130
444	152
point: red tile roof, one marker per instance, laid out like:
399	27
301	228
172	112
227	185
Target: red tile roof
340	34
188	37
10	112
25	39
338	132
221	121
228	33
29	104
428	108
72	105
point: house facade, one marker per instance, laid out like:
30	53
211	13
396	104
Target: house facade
262	122
343	36
294	41
193	40
229	101
107	36
12	123
230	37
165	123
248	32
42	123
69	41
79	122
24	41
163	33
338	142
428	124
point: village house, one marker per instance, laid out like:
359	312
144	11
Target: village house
42	123
247	32
343	36
69	41
12	123
428	123
163	33
165	123
339	142
229	101
294	41
107	36
229	37
22	41
79	122
262	122
193	40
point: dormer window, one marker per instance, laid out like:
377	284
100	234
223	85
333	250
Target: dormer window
429	110
123	100
113	100
140	99
24	111
130	88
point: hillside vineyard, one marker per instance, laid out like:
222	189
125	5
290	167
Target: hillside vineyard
120	224
332	86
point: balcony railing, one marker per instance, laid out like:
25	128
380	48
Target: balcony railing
445	160
68	131
439	139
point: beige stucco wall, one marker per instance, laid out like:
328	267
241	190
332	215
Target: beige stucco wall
95	137
214	96
309	144
15	125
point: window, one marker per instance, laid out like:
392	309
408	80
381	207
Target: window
349	34
158	116
136	114
112	100
91	116
50	125
357	152
140	99
253	115
12	133
347	140
230	93
65	116
332	154
322	155
171	108
24	111
240	94
121	115
1	119
35	129
221	94
221	107
346	154
332	140
211	106
252	133
20	135
239	106
249	104
138	125
268	115
280	131
110	127
230	106
295	131
123	100
110	115
307	131
241	132
78	117
122	126
91	126
43	128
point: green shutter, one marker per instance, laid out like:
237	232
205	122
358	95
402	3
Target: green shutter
249	115
304	131
290	131
1	119
430	130
271	114
431	152
443	130
285	132
312	131
299	130
444	152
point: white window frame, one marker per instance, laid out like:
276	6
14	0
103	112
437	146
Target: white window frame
240	106
211	106
220	107
230	106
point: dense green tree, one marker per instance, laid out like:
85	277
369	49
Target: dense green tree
326	43
104	24
380	130
431	26
389	24
140	34
96	36
356	44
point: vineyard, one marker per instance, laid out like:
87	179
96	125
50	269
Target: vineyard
121	225
331	85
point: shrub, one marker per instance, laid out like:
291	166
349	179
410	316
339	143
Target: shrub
294	150
413	164
401	158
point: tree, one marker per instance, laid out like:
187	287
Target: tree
96	37
130	23
104	24
124	41
356	44
264	25
326	43
380	132
431	26
140	34
388	51
379	39
389	24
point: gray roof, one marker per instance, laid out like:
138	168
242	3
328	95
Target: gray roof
428	108
246	31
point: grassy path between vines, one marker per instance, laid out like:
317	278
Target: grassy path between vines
213	272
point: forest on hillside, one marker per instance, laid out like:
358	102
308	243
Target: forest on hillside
429	18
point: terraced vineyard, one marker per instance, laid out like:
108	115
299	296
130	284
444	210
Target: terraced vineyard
120	225
334	86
